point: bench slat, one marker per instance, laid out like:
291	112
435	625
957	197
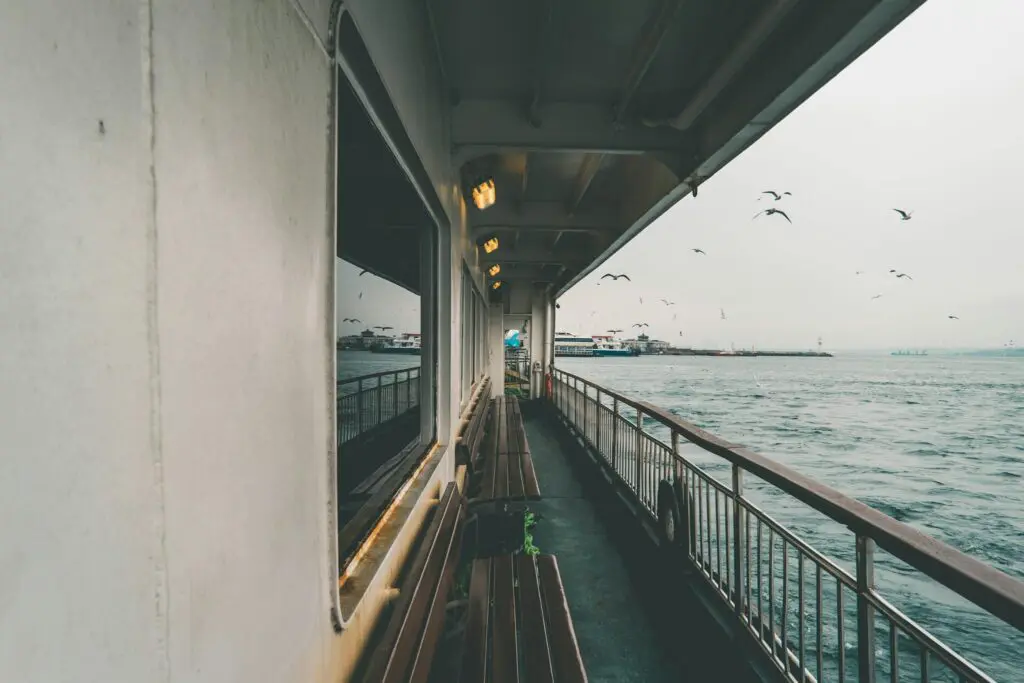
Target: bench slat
566	651
536	656
505	657
435	615
501	485
390	661
530	484
516	441
474	661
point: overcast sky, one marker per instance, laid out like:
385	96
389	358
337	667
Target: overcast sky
927	120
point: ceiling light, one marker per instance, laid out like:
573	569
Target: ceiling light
484	194
496	285
494	270
490	245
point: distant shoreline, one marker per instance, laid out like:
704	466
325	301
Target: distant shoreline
745	354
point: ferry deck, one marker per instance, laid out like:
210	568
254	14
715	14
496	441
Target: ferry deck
189	491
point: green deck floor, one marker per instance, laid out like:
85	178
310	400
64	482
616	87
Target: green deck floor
615	636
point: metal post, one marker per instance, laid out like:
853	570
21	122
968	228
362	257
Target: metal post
737	539
408	389
615	433
359	405
597	411
865	610
639	427
394	394
380	395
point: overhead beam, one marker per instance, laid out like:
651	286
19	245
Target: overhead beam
589	167
756	34
536	256
481	127
540	217
644	52
542	40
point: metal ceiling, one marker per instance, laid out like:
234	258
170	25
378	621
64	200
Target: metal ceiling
595	117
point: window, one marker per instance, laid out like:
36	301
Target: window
472	335
385	308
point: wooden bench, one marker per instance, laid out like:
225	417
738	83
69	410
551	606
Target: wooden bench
405	651
467	447
518	624
505	463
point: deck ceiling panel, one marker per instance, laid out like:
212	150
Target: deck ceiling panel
595	116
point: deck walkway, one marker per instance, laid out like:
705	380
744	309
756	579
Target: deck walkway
617	640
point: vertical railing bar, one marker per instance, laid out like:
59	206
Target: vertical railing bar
841	630
817	617
707	522
771	589
785	601
615	433
728	547
865	610
760	585
597	436
746	560
639	423
800	610
380	394
718	542
894	653
925	677
701	517
359	406
394	395
737	533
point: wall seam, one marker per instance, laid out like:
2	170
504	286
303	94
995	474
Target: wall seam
161	596
308	23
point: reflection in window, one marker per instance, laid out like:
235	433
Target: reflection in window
379	359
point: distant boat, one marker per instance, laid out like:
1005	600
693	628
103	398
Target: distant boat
907	352
407	344
588	347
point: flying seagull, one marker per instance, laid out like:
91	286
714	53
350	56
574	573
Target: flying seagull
614	331
904	215
615	277
351	320
770	212
776	195
640	325
952	317
722	311
668	303
383	328
699	251
859	272
360	295
899	275
876	296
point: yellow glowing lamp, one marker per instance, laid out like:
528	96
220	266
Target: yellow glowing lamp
496	285
490	245
494	270
484	194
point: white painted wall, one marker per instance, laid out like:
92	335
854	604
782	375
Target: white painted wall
82	593
165	345
496	348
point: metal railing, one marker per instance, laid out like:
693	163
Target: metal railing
800	606
371	400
